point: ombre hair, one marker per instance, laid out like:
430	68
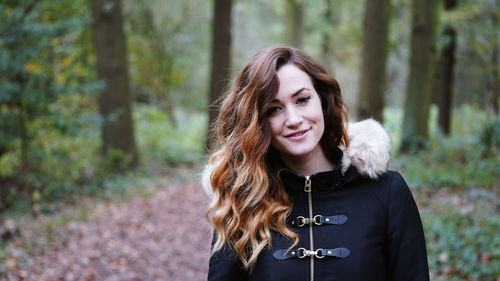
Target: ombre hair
249	200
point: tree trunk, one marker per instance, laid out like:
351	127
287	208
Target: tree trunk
495	83
445	67
221	54
23	119
373	70
326	50
421	74
114	102
293	23
495	79
445	89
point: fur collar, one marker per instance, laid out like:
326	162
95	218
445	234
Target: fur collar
369	151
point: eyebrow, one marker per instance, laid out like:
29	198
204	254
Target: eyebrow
294	94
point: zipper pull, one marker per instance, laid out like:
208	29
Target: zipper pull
307	187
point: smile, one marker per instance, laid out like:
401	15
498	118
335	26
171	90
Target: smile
296	135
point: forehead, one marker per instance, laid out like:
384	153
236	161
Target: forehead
291	78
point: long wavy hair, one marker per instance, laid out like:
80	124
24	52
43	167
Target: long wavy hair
249	200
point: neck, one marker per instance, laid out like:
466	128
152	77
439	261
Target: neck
308	164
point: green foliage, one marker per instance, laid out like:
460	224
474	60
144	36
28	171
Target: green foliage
41	69
462	237
477	66
162	142
258	24
69	162
35	67
64	158
456	161
490	137
344	32
168	54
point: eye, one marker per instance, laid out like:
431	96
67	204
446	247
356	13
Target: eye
273	110
303	99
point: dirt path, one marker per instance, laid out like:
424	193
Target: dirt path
164	237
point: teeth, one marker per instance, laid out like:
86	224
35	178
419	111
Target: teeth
298	134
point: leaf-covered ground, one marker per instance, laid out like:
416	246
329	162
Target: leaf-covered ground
163	237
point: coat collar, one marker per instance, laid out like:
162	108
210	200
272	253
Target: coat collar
326	180
367	155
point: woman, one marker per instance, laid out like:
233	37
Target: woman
296	195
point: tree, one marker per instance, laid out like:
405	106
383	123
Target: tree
293	23
495	63
18	46
157	59
445	67
421	73
477	61
117	133
373	67
221	54
326	50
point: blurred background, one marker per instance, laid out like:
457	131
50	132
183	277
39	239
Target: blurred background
109	100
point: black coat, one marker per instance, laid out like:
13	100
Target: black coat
374	233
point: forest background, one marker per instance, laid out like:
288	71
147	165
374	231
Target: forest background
104	99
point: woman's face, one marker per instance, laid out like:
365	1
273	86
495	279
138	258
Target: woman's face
295	115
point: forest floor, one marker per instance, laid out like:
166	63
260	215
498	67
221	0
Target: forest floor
161	237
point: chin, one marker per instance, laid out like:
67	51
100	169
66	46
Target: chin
297	153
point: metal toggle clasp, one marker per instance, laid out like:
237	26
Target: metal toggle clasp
301	221
302	253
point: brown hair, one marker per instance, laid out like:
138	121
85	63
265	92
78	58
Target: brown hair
249	200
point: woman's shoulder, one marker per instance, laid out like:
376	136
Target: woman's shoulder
390	181
388	187
392	177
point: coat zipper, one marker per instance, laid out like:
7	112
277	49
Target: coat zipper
308	190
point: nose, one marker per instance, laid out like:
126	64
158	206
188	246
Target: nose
294	118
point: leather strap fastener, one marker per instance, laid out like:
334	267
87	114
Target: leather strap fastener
284	254
319	220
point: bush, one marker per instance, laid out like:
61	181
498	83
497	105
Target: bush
65	160
161	141
490	137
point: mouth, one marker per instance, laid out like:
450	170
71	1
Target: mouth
297	134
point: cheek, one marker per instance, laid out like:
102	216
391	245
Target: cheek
321	122
274	126
322	126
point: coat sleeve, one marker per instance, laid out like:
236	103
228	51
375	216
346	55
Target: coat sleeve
405	248
224	266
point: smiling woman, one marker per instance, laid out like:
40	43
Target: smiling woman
299	195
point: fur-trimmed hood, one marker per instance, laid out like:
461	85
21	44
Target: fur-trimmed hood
369	151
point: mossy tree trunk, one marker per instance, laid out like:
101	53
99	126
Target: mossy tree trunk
117	134
421	74
293	23
374	56
221	57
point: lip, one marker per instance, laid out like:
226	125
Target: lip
294	136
